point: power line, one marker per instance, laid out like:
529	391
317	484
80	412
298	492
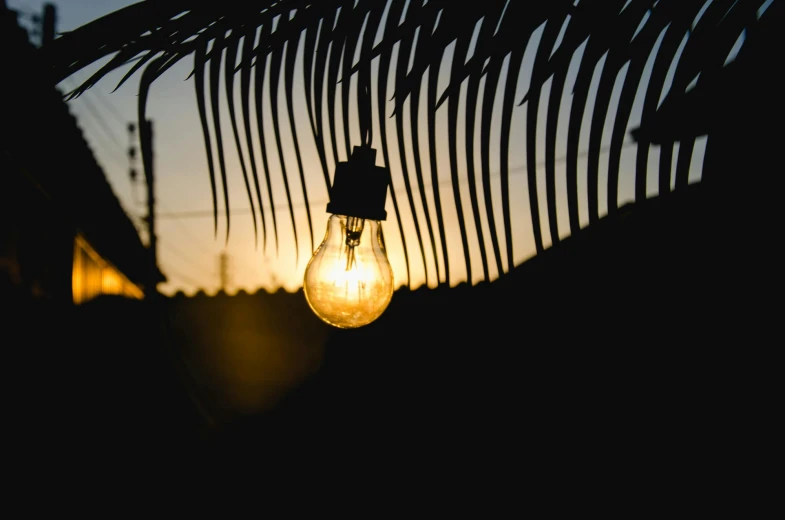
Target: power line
186	259
189	235
183	277
202	248
138	220
199	244
189	280
109	106
97	115
135	219
239	211
517	170
98	139
111	151
121	160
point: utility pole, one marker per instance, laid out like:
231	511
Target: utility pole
146	136
223	270
274	282
133	167
44	25
48	24
146	140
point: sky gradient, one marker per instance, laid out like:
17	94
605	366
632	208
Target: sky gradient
188	247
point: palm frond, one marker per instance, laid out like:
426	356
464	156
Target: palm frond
231	58
594	68
245	93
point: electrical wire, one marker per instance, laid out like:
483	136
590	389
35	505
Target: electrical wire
97	115
182	277
188	234
109	106
242	265
515	171
111	151
177	252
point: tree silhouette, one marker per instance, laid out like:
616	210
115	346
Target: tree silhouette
651	48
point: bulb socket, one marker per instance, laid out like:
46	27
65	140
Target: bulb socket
359	186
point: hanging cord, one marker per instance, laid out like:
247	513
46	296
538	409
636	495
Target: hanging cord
364	109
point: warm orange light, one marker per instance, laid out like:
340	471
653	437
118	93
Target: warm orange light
92	275
349	282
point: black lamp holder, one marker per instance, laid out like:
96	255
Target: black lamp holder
359	186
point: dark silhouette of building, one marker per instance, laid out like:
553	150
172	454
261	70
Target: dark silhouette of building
90	369
63	233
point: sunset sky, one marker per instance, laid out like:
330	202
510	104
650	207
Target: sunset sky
188	248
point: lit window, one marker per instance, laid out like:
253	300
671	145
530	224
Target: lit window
93	276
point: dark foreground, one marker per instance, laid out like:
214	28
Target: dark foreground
627	358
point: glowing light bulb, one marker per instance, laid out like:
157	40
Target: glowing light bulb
349	282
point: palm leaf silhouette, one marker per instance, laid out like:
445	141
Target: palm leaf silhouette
571	54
